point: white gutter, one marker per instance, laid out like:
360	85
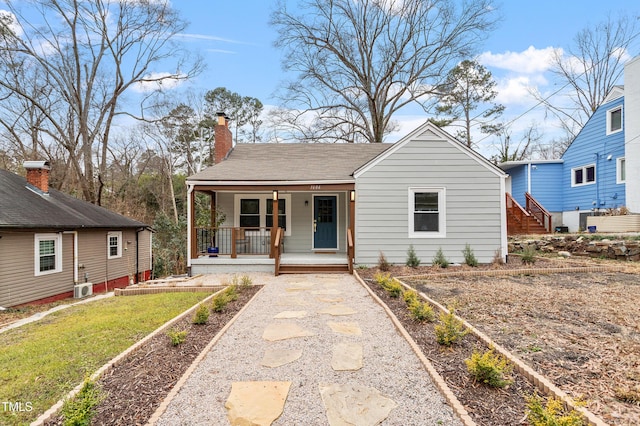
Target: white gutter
267	182
75	254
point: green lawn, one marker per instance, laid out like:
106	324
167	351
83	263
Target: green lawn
41	362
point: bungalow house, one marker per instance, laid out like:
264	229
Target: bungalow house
54	246
319	207
598	173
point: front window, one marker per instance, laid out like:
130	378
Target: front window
426	212
621	172
584	175
282	213
614	120
48	253
250	213
114	245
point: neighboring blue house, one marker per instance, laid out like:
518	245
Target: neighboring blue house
591	177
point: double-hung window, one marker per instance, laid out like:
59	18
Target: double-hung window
256	211
48	253
282	213
584	175
621	172
427	213
114	245
614	120
250	213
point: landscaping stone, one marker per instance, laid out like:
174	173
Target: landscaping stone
347	356
338	310
348	328
276	357
612	248
352	404
283	331
290	314
256	403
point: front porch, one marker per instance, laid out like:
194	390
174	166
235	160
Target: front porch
282	228
289	263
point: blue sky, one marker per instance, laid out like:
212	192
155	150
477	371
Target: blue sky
237	44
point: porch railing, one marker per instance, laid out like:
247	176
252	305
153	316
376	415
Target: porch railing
233	241
277	250
540	213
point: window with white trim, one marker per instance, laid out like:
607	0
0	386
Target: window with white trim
114	245
48	253
584	175
614	120
427	213
621	172
256	211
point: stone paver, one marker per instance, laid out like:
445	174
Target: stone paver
290	314
352	404
256	403
338	310
349	328
282	331
347	356
276	357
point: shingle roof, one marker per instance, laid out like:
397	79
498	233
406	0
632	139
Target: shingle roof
292	162
21	207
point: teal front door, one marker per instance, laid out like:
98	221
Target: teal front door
325	222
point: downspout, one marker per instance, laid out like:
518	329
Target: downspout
189	214
529	178
138	254
504	247
75	255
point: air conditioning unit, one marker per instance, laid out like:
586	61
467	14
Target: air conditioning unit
82	290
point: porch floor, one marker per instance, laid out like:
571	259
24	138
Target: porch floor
224	263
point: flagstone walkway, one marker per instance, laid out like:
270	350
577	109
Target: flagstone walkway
310	350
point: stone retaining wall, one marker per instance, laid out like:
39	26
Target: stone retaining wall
579	245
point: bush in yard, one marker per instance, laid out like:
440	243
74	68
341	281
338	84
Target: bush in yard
410	297
450	329
552	413
529	255
231	292
412	258
489	368
79	410
422	311
177	337
469	256
219	302
440	260
392	287
202	315
383	264
245	281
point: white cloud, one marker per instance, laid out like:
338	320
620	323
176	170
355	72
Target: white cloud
516	90
530	61
156	81
208	38
7	16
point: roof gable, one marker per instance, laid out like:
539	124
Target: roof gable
430	131
22	207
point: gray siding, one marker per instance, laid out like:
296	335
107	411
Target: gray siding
92	253
473	203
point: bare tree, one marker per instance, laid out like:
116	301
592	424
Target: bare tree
360	62
469	86
510	149
590	69
87	55
552	150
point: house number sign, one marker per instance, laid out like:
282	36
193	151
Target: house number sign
314	187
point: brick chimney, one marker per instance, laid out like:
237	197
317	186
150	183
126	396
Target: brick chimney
38	174
224	139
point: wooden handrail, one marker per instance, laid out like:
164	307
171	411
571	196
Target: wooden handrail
277	250
519	214
350	250
537	211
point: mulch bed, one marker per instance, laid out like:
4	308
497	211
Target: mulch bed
135	388
486	405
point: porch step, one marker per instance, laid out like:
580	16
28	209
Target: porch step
318	268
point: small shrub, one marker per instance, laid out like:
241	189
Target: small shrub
440	260
551	414
245	281
489	368
410	297
79	410
529	255
422	312
231	293
469	256
381	278
450	329
412	258
202	315
219	302
394	288
383	264
177	337
497	258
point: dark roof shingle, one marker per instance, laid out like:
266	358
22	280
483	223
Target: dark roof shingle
292	162
22	207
